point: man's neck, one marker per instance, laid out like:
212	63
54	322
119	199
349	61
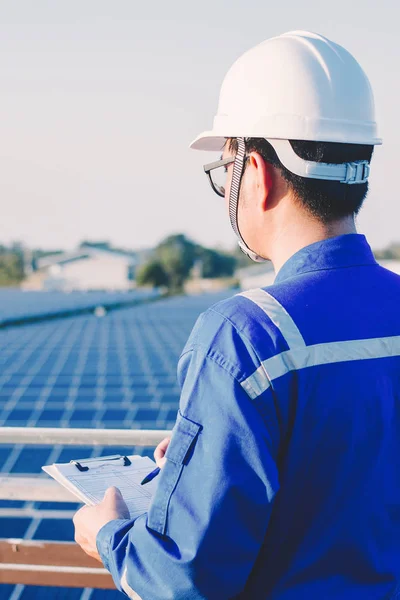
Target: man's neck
301	233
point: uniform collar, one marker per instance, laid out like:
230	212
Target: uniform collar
342	251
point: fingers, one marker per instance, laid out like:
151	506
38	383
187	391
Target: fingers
90	519
111	492
159	452
86	547
79	515
114	498
162	448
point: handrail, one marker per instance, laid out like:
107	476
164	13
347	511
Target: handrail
56	563
64	564
38	489
33	489
49	436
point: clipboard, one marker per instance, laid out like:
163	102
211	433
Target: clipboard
83	467
89	478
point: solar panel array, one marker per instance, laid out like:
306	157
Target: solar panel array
114	372
16	305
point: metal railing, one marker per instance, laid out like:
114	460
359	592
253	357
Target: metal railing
55	563
49	436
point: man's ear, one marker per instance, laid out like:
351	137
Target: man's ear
262	181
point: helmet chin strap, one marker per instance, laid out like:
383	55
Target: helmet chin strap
238	168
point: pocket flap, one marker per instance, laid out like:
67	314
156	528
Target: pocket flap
183	436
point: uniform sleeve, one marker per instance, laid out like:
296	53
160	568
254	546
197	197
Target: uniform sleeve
208	518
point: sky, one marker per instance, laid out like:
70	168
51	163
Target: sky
100	99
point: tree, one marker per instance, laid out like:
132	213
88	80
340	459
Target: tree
242	260
173	260
11	265
176	254
216	264
152	273
391	252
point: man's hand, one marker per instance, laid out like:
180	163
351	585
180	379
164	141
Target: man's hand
159	452
90	519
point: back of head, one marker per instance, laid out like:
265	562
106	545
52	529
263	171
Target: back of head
325	200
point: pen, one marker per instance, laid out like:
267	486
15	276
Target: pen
150	476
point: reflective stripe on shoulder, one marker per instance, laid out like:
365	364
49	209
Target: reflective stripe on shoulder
278	315
316	355
257	383
127	588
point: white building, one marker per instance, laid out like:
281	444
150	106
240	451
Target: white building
255	276
88	268
391	264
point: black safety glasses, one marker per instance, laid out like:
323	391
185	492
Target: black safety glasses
216	172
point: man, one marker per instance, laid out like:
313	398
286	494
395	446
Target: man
281	480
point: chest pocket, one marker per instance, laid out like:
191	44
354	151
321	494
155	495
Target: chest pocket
178	454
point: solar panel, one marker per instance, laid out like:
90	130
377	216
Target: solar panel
105	595
14	527
118	372
31	460
8	592
15	304
55	593
53	530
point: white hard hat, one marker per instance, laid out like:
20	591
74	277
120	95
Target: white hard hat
297	86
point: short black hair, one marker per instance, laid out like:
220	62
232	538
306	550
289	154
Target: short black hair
328	201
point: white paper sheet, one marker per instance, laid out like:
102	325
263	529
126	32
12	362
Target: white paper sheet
90	486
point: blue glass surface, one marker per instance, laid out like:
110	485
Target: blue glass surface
146	414
15	304
19	414
51	593
106	595
55	529
6	590
81	415
119	371
31	460
51	414
11	504
114	414
13	527
5	452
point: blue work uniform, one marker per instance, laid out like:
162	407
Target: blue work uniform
282	478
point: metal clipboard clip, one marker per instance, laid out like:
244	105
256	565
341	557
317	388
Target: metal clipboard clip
81	467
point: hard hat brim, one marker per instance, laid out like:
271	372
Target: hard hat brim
212	142
208	141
